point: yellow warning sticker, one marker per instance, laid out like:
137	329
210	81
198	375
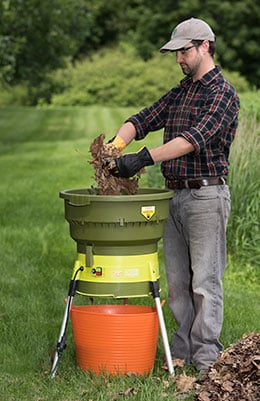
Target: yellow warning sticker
148	211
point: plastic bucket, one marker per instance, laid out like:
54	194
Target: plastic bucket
115	339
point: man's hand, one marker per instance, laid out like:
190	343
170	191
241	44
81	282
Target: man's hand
117	142
129	164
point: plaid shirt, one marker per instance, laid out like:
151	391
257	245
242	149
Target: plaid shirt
205	113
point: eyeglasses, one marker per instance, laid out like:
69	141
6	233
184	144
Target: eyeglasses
184	50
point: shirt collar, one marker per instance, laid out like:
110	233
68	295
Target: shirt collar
205	80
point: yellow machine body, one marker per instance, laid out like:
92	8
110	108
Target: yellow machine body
117	276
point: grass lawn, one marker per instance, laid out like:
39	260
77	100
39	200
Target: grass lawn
41	153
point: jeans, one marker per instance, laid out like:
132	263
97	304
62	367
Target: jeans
195	257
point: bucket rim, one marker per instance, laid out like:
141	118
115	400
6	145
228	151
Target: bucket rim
151	194
114	310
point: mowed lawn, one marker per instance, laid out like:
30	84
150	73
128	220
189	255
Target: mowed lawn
43	152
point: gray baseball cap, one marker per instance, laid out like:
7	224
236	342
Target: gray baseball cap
186	31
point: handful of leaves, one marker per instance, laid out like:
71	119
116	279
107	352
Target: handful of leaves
103	154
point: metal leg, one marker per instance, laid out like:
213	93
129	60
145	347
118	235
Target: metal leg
61	345
155	290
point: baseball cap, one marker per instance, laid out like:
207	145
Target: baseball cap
186	31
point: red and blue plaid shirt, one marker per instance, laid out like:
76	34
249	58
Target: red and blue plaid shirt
205	113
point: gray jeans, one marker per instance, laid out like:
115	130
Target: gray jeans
195	256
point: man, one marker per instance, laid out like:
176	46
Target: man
199	117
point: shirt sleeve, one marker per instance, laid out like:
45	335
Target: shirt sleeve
151	118
218	112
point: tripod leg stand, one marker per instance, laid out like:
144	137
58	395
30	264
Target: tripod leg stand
61	344
156	296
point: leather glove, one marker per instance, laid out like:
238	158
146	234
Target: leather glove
117	142
129	164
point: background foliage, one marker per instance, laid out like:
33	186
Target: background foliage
39	37
35	36
114	77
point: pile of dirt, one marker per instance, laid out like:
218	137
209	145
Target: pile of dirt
102	155
236	374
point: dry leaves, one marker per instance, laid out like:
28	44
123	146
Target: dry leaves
175	362
125	393
184	383
236	374
108	184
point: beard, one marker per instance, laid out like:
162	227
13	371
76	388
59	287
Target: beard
191	70
186	70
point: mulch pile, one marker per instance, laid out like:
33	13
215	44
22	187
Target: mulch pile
236	374
108	184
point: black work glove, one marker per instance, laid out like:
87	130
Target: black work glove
129	164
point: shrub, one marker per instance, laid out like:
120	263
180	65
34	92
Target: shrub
119	77
111	77
250	105
13	96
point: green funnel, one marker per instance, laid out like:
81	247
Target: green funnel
116	224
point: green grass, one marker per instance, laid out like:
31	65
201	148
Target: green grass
243	233
41	153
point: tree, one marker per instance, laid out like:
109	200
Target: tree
235	23
35	36
238	33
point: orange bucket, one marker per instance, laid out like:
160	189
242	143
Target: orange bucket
116	339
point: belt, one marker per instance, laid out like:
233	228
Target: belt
195	183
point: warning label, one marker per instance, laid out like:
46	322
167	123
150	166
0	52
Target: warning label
148	211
